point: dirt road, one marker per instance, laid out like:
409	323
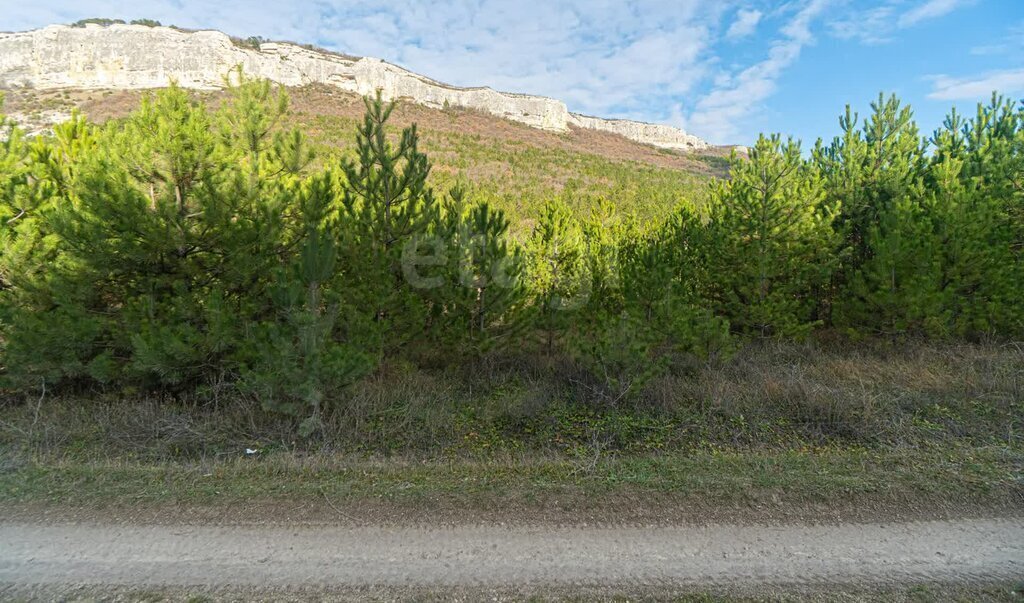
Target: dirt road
488	555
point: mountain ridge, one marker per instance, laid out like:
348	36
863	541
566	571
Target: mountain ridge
125	56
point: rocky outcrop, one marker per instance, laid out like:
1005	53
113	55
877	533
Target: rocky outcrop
666	137
136	56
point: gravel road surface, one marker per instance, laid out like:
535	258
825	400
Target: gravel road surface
126	555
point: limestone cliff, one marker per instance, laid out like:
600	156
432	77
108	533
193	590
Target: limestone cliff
136	56
658	135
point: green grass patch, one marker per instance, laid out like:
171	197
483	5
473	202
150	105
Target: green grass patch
830	477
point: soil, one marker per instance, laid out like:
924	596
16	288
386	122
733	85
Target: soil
520	557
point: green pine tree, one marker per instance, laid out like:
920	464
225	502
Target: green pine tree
387	210
768	249
560	283
482	277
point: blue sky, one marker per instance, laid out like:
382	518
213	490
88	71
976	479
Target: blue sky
724	70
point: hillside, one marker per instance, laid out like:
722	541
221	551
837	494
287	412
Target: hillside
126	57
515	166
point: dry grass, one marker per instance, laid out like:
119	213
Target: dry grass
319	101
782	431
870	392
769	396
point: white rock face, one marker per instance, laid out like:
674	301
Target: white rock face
136	56
666	137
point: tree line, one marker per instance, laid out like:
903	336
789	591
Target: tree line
189	248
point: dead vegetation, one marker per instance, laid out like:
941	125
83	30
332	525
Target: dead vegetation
769	396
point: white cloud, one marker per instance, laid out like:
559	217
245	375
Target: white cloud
613	59
1008	81
930	9
877	24
870	26
745	23
1011	43
720	115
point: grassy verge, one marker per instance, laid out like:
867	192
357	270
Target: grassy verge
777	431
726	477
721	485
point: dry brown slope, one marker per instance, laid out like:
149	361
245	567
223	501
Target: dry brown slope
515	166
